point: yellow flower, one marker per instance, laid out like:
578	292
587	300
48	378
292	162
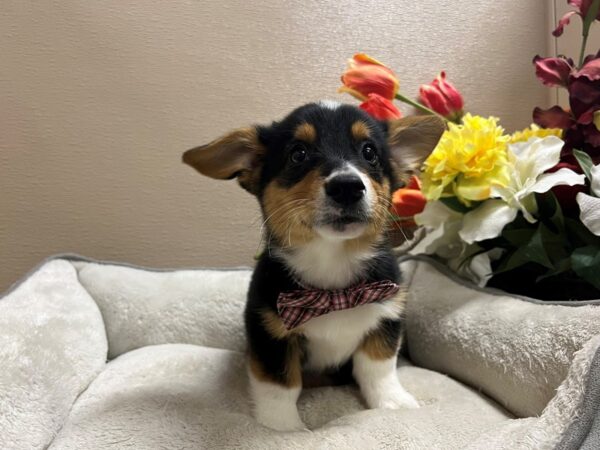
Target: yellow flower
469	159
534	131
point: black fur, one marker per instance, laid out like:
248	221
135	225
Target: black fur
333	147
271	277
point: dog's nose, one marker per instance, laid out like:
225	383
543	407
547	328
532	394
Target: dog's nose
345	189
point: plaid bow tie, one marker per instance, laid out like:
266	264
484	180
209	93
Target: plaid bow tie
296	307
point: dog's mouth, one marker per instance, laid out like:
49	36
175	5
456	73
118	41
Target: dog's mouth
344	225
347	219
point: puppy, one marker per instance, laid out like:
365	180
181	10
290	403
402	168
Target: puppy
325	294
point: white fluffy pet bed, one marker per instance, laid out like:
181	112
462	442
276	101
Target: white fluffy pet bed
98	355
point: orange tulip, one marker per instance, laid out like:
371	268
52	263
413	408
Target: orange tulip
409	200
366	75
380	108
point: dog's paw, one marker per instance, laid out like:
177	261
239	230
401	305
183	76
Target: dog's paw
280	420
391	397
398	399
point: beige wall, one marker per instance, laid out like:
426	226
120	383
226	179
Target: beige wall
99	99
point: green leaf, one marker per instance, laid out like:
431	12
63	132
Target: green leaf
506	263
562	266
586	264
578	233
518	237
591	15
550	212
455	205
535	250
555	244
532	251
585	162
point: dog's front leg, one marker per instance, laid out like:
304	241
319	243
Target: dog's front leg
275	384
374	369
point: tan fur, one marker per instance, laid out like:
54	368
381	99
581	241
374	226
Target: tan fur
411	140
238	154
257	369
306	132
376	345
275	327
294	362
293	367
375	231
290	212
360	131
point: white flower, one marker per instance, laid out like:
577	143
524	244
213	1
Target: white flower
475	265
454	236
443	225
589	205
595	181
528	162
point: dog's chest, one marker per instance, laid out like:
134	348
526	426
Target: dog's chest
332	338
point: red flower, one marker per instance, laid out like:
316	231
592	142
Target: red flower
381	108
409	200
584	98
366	75
555	117
567	195
583	6
442	97
553	71
580	131
584	91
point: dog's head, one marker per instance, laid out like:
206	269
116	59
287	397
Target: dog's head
327	170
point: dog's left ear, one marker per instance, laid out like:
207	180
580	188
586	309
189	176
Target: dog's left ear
237	154
411	140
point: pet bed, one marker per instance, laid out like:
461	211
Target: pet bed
100	355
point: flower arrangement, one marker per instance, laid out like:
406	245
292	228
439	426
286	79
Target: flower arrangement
519	211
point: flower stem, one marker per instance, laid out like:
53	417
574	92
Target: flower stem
419	106
587	24
582	52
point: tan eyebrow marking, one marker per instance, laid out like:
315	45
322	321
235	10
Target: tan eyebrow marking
306	132
360	130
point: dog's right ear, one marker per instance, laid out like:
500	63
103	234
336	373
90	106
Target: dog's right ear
237	154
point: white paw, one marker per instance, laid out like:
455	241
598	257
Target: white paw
397	399
379	383
289	421
390	395
275	405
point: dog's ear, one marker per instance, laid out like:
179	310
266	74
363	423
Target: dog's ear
236	154
411	140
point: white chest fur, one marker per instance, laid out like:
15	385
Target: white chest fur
327	264
332	338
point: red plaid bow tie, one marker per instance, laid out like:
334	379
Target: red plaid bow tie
296	307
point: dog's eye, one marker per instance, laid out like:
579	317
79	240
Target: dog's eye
368	152
298	154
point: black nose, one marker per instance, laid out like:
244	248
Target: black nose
345	189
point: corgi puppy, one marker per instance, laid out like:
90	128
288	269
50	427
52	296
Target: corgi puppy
325	294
